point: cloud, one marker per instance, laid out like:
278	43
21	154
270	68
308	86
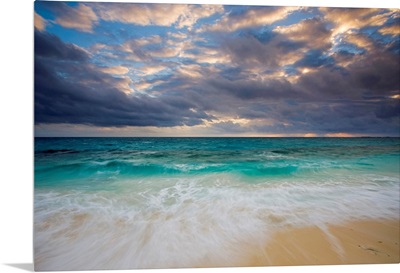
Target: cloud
254	17
141	14
191	70
392	30
48	45
121	83
270	53
131	45
81	18
39	22
359	40
327	118
144	85
151	69
205	55
178	35
230	127
388	110
164	52
147	48
311	32
325	100
352	21
195	12
68	89
377	74
352	18
116	70
249	51
251	90
373	74
156	14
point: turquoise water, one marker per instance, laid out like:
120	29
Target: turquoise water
120	203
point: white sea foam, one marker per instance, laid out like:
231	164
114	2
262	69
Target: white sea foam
189	221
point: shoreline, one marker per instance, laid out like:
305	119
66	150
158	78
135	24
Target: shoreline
353	242
357	242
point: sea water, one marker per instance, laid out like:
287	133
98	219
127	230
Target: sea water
126	203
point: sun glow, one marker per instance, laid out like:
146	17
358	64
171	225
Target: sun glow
397	96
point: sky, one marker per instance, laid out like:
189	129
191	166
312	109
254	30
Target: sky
130	69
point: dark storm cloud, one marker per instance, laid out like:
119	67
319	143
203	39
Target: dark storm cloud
307	42
249	51
248	90
325	118
331	98
326	84
68	89
360	67
50	46
346	91
357	101
379	73
388	110
311	33
288	46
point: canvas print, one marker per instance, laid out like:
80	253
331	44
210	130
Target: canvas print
194	135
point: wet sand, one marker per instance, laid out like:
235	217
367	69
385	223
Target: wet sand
359	242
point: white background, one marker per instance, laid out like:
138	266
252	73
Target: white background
16	135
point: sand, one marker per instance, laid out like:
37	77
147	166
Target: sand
358	242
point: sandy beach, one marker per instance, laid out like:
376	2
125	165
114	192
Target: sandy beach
358	242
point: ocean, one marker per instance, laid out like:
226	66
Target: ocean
129	203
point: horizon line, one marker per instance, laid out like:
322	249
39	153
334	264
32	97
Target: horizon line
217	136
